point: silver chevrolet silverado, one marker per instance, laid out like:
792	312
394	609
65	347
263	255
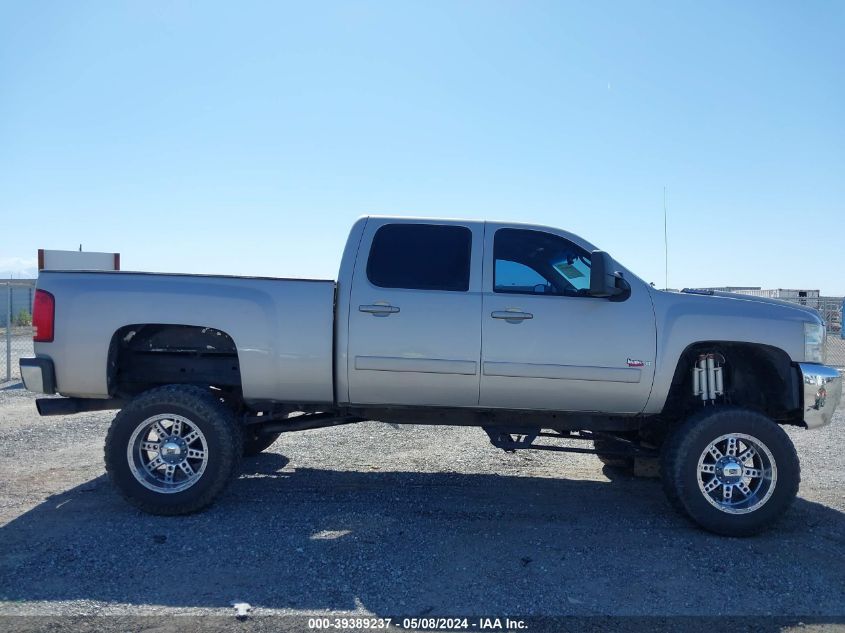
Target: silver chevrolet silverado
529	332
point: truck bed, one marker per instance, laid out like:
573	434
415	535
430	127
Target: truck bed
282	328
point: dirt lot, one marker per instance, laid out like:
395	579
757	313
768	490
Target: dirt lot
373	519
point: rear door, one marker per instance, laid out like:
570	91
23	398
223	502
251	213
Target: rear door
414	317
547	344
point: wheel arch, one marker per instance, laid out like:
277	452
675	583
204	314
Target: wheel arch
757	376
142	356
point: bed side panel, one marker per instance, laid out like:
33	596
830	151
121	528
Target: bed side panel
282	328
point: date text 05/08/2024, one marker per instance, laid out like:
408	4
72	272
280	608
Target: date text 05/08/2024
419	624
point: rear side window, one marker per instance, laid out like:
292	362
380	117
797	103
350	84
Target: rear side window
420	257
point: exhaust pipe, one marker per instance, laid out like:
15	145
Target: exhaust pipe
69	406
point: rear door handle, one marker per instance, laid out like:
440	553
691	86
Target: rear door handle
511	316
378	310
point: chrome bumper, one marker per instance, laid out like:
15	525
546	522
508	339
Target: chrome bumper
38	375
822	393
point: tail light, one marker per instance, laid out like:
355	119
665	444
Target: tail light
43	316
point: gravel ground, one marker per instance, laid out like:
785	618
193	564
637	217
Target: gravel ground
410	521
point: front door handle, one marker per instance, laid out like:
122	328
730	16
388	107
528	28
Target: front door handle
511	316
378	310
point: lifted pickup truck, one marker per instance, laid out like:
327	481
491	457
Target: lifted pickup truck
529	332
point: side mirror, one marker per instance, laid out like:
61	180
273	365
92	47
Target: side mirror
602	276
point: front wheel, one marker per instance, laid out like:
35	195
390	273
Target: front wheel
733	471
173	449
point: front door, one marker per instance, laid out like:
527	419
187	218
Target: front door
546	343
414	328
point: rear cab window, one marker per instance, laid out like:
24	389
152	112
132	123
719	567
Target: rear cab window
421	257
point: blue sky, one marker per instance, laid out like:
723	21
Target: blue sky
245	138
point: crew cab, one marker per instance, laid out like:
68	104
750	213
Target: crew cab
530	332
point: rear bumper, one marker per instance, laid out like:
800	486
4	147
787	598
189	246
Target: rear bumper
822	391
38	375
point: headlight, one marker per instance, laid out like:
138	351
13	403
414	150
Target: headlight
814	335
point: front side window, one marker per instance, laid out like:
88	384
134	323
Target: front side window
534	262
421	257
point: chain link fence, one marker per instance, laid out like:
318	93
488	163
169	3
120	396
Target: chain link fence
15	325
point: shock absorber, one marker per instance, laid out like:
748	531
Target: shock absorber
708	382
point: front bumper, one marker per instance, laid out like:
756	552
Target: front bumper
38	375
821	394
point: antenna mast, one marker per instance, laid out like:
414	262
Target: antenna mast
666	233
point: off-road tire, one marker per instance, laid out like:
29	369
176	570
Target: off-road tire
218	425
666	464
679	469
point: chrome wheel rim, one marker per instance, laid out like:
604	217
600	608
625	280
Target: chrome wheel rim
737	473
167	453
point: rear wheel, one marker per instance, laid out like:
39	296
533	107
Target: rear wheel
733	471
173	449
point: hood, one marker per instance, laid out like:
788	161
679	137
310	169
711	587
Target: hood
810	312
